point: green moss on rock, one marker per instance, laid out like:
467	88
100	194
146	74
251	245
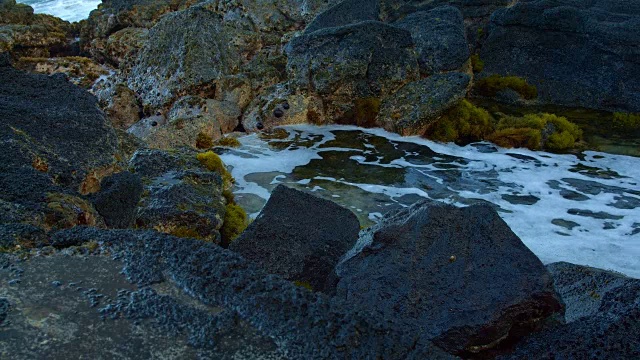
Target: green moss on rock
492	85
537	131
476	63
463	123
626	121
235	222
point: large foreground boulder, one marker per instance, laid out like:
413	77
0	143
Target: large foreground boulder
577	53
458	276
177	298
602	314
299	237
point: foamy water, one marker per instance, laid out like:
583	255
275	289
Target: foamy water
70	10
583	210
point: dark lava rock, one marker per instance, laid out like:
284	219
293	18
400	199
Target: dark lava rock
187	298
602	314
181	197
345	13
417	105
52	126
25	235
471	9
342	65
440	38
299	237
457	276
577	53
118	198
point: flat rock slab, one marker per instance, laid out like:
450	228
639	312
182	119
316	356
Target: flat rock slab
458	276
178	298
299	237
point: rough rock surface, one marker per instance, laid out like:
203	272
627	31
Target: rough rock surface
602	310
118	199
364	61
413	108
457	276
440	38
299	237
178	297
186	49
52	126
577	53
345	13
181	197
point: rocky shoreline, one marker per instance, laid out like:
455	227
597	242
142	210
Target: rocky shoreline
120	236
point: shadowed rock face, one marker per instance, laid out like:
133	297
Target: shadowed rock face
299	237
180	296
458	276
603	317
577	53
345	13
440	38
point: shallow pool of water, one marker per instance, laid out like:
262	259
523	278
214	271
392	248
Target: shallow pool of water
582	209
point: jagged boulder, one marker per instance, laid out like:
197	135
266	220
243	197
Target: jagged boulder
440	39
118	199
299	237
576	53
416	106
457	276
603	317
351	67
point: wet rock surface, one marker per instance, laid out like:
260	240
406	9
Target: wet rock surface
299	237
457	276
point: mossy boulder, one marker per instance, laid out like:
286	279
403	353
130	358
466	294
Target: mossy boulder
463	123
23	33
181	196
416	106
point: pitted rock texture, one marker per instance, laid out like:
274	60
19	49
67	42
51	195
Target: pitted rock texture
299	237
209	302
345	13
577	53
457	276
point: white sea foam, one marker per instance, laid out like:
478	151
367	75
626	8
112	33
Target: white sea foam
601	235
70	10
